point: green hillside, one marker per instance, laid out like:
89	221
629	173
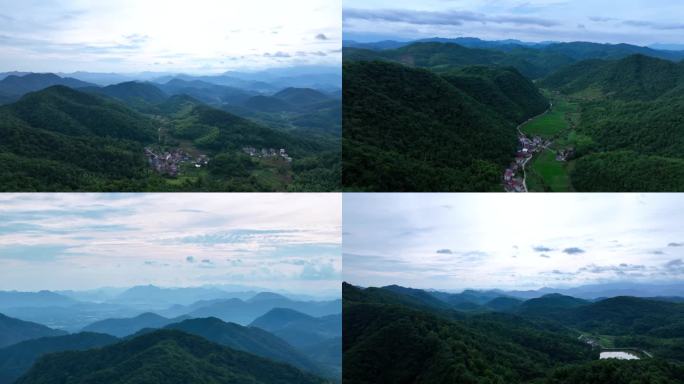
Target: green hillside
60	139
16	359
167	357
440	56
411	346
409	129
631	115
415	343
248	339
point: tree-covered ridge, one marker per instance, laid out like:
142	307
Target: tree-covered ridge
14	331
533	60
410	129
18	358
636	77
162	357
248	339
61	139
414	339
631	112
438	56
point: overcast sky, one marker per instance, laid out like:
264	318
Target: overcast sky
199	36
641	22
522	241
81	241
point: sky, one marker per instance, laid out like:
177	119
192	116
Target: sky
285	242
640	22
199	36
512	241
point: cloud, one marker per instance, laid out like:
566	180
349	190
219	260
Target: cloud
34	252
319	272
190	259
600	19
674	267
545	256
573	250
321	36
541	248
675	245
278	54
442	18
654	25
445	251
136	38
240	236
620	269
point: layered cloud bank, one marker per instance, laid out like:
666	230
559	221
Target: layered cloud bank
456	241
81	241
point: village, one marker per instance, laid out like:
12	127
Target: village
169	163
514	176
267	153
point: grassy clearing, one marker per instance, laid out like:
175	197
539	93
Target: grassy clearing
549	124
547	174
553	122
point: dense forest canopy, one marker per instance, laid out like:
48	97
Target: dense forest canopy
405	132
535	341
410	129
66	135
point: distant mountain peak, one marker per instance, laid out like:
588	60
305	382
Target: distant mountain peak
264	296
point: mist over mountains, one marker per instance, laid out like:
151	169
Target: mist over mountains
300	334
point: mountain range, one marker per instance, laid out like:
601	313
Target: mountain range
421	336
611	123
297	341
164	356
88	138
13	331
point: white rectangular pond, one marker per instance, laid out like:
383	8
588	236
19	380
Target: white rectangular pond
622	355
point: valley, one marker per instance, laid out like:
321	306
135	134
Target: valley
614	105
176	135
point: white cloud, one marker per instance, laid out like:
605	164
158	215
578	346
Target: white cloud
181	235
634	21
495	240
131	35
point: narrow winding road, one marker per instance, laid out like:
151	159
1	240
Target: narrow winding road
521	135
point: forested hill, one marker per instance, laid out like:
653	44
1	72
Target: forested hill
533	60
411	129
631	110
162	357
636	77
62	139
437	56
14	331
414	340
414	346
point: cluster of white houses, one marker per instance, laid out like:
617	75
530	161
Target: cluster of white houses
169	163
267	152
528	147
